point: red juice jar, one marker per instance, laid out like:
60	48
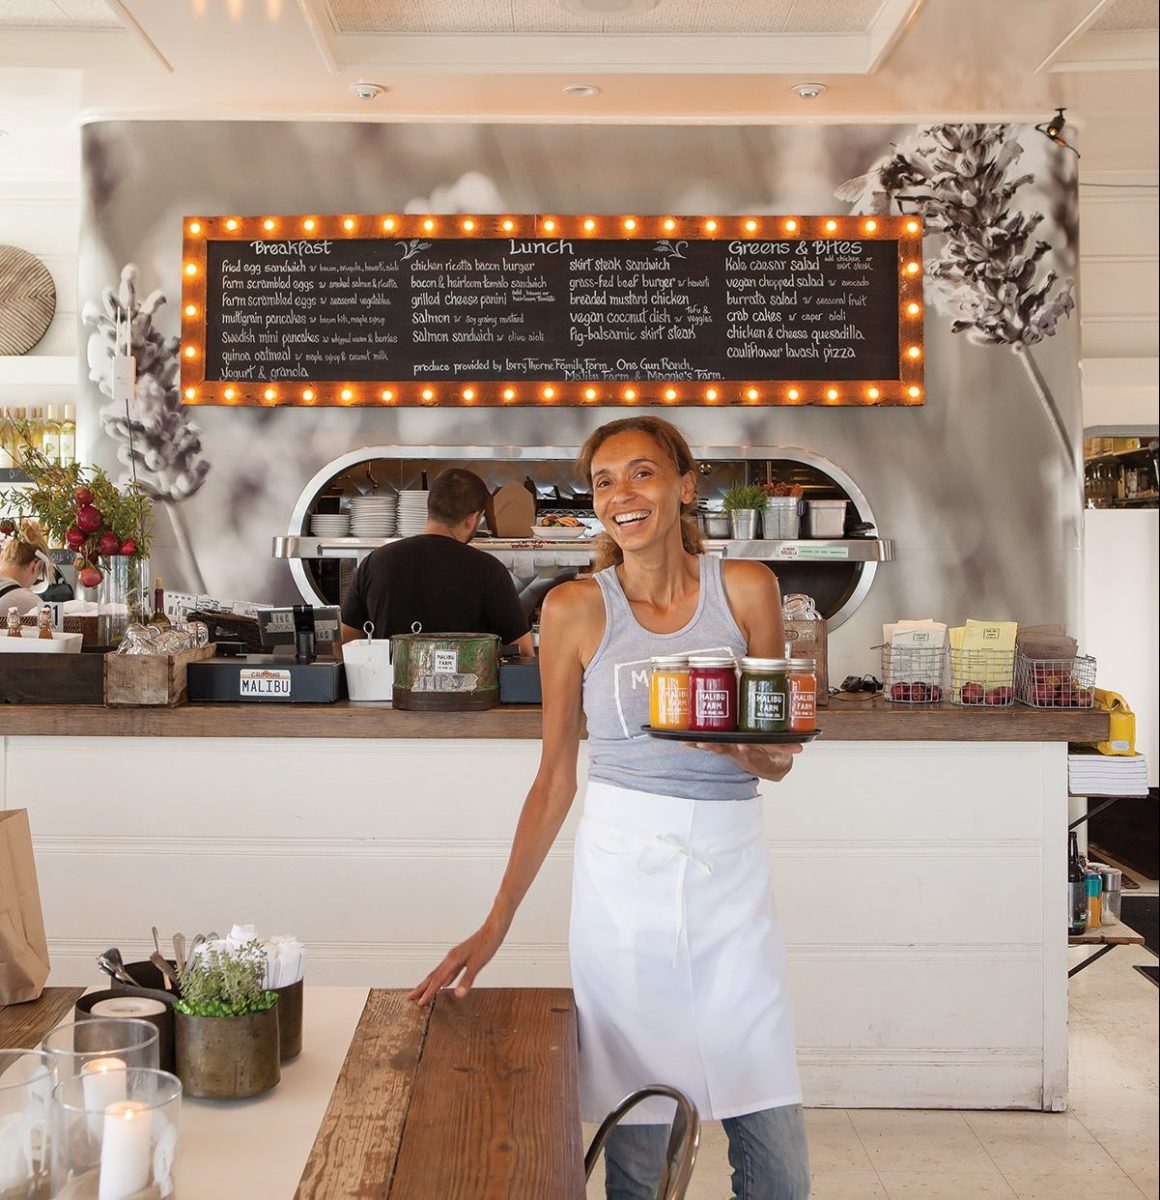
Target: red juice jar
712	693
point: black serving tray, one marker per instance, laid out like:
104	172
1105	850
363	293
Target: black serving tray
733	737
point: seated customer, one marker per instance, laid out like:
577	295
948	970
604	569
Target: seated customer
24	562
436	579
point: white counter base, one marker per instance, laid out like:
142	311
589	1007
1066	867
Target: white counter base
921	885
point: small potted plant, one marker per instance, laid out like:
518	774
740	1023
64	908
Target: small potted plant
226	1031
743	501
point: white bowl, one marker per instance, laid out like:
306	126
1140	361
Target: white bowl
559	533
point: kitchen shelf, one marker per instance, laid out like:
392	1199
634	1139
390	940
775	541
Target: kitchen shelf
579	553
1121	456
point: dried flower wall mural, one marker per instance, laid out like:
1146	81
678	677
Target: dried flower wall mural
155	439
988	275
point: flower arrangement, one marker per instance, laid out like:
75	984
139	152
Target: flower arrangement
81	507
742	496
224	983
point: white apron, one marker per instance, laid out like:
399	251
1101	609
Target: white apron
678	965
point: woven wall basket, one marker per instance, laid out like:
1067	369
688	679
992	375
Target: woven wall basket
27	300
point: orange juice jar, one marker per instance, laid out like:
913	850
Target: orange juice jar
668	706
803	696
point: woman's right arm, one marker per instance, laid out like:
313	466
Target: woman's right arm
564	635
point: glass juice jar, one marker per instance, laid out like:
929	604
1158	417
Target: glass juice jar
803	695
668	706
764	695
712	693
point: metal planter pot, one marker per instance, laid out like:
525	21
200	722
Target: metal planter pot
228	1058
743	524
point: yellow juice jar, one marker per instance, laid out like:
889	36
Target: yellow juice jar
669	692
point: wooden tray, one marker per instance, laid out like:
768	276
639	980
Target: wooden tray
52	678
156	680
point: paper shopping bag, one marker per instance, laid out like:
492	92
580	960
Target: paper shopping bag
23	949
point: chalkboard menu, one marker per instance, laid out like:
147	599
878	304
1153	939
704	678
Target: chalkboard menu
533	310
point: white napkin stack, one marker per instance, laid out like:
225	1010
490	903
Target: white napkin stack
285	954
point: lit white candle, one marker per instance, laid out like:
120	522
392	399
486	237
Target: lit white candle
125	1150
104	1081
127	1006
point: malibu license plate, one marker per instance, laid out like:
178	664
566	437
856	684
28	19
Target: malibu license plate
260	683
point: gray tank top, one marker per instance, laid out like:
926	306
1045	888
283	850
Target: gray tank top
616	695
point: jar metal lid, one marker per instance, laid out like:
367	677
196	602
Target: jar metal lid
764	664
711	660
669	661
801	664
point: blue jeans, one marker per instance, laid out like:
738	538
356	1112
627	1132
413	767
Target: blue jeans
767	1151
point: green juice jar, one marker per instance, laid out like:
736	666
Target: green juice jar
764	695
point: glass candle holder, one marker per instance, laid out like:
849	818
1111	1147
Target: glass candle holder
102	1046
123	1149
27	1078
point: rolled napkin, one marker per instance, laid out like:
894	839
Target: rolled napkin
285	954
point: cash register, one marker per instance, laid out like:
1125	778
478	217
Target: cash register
303	663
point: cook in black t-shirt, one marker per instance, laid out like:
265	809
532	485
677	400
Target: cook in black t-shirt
436	579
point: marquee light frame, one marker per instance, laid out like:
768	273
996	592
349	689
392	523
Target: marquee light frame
908	389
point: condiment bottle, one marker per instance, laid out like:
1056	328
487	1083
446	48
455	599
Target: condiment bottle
14	629
1094	905
764	700
44	622
712	693
669	692
1076	888
803	695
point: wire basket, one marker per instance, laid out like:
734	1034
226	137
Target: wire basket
982	678
914	674
1055	682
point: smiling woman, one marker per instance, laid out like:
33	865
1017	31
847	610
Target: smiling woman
650	939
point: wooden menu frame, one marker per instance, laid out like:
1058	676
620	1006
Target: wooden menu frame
906	389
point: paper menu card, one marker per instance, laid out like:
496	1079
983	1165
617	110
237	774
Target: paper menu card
924	634
983	652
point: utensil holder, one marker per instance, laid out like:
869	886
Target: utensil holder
781	518
289	1008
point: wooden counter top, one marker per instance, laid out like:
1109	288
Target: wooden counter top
865	721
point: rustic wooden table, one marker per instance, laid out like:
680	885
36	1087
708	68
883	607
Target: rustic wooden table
469	1099
472	1099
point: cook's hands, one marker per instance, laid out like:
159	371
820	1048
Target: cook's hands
468	958
766	762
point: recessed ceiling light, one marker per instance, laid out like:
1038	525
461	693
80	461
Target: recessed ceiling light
607	8
367	91
581	89
808	91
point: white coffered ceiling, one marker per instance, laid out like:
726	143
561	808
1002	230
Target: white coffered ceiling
658	60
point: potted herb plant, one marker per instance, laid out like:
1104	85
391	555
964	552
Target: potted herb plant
743	501
226	1025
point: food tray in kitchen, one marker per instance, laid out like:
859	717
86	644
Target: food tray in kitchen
731	737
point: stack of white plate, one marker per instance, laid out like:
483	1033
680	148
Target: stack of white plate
330	525
373	516
412	512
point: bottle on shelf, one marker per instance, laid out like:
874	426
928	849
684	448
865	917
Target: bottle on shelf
1077	895
159	617
48	435
68	436
44	623
14	443
13	622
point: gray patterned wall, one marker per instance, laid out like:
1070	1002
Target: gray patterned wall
977	487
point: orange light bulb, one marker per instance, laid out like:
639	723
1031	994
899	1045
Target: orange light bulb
231	224
469	225
191	310
629	224
870	226
589	225
310	224
831	226
191	393
791	225
268	224
710	226
793	394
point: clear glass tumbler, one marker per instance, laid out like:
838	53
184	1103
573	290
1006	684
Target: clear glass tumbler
100	1046
27	1078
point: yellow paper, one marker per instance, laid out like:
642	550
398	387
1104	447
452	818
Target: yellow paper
985	654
